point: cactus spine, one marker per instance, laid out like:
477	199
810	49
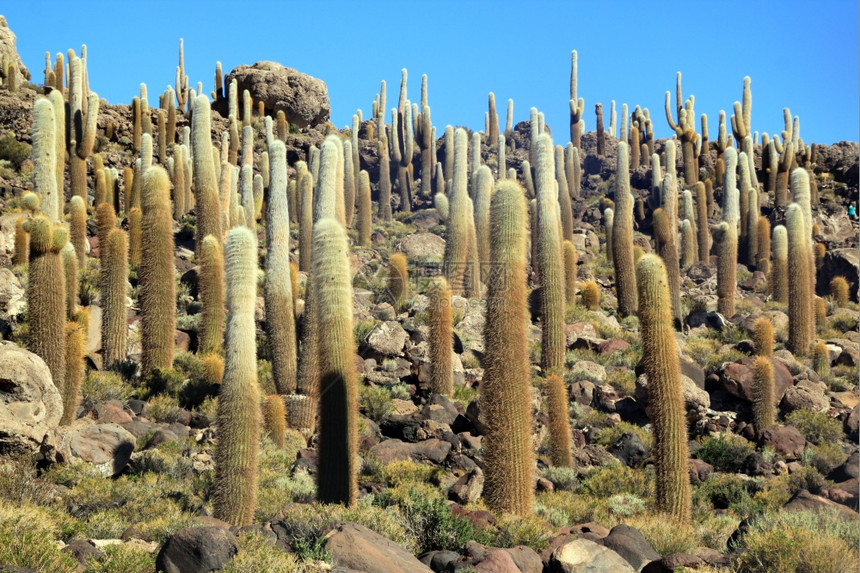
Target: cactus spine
505	388
660	361
800	313
338	459
238	417
280	318
559	422
441	338
622	236
156	273
114	291
550	258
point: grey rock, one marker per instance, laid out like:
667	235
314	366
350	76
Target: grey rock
302	98
584	556
197	550
358	549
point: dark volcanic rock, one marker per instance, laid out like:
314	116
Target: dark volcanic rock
197	550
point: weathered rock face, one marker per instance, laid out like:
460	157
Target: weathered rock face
197	549
10	51
353	547
30	404
302	98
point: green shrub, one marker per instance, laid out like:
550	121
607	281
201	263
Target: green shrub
816	427
826	457
512	530
725	491
563	479
626	504
822	542
13	151
406	472
27	540
375	402
163	408
726	452
616	478
429	520
257	553
122	558
103	386
608	437
164	381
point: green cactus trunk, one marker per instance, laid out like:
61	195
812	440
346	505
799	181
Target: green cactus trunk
239	416
800	315
278	292
46	296
559	422
157	298
506	388
210	274
550	258
764	411
441	341
338	446
660	361
622	237
114	292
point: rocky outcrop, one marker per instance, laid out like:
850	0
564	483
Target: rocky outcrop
9	50
30	404
197	550
302	98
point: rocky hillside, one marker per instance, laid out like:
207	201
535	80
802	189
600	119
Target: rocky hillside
120	467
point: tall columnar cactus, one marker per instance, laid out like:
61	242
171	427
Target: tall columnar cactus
211	290
364	209
762	261
601	138
505	388
22	243
440	350
801	195
483	193
239	416
78	228
690	215
764	411
280	320
591	295
75	347
275	419
685	129
398	280
800	313
306	223
156	273
563	195
839	291
384	179
349	189
559	422
577	105
46	296
762	334
204	182
550	258
457	239
569	272
423	128
668	251
608	224
660	361
45	163
779	267
84	109
821	359
622	236
338	459
688	245
114	292
328	195
727	252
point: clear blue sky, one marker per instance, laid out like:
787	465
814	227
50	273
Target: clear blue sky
800	55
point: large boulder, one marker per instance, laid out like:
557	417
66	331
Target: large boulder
197	550
8	49
588	557
30	404
108	447
737	379
302	98
355	548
